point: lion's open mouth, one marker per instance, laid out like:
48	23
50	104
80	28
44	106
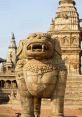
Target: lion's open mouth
37	47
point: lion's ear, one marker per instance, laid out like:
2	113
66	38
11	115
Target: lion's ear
20	49
57	46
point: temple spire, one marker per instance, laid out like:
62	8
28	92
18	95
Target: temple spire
67	17
11	55
12	41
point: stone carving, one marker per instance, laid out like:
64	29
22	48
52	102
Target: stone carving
74	40
62	15
65	40
67	63
74	65
40	73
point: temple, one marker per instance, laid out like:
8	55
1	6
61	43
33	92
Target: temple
7	72
65	27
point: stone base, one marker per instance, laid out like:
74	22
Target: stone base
26	115
57	116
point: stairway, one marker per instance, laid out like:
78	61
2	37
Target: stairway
73	93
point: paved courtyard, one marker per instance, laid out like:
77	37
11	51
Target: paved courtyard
45	112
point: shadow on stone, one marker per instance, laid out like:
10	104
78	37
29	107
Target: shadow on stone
4	98
18	114
70	116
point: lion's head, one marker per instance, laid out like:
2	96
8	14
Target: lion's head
37	46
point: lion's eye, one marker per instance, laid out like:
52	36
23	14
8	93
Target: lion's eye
29	48
46	48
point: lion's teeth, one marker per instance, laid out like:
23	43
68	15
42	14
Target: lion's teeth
42	48
31	47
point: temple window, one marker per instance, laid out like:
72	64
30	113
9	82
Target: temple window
8	84
14	84
2	82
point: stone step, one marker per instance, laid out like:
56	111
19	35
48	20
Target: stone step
74	90
77	81
72	97
74	87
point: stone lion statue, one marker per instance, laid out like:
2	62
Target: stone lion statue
40	73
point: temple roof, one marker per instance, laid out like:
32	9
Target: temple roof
2	60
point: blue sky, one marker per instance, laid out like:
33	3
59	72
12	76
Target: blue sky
25	16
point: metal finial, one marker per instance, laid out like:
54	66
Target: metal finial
12	36
67	1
